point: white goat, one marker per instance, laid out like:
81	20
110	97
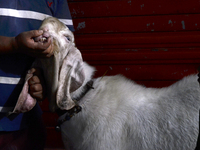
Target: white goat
117	114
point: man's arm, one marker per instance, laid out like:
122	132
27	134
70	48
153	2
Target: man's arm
24	43
6	44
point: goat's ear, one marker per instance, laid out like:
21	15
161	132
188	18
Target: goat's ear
25	101
71	78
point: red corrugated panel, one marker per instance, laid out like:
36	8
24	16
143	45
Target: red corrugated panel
95	9
138	24
138	40
135	55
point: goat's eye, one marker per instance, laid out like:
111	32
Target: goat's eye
68	38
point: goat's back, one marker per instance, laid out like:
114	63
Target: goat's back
122	115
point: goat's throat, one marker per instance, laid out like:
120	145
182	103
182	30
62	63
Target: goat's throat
88	86
66	115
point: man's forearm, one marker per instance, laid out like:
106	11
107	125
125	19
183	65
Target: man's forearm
6	44
24	43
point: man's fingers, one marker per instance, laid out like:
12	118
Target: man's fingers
42	45
36	88
35	79
37	91
38	95
49	51
40	49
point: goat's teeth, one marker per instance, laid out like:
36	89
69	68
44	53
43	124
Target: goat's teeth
43	39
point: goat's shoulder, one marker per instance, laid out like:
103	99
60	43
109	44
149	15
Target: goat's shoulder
116	81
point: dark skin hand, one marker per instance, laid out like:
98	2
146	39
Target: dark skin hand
36	84
24	43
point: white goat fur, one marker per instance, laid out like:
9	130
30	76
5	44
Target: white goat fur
119	114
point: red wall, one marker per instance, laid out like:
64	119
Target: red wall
154	42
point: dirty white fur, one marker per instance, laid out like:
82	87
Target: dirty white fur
119	114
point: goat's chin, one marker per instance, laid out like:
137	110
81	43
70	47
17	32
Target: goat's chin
89	72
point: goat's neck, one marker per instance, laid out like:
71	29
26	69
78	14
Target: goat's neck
89	71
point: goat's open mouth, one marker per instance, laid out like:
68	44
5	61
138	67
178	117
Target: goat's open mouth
42	38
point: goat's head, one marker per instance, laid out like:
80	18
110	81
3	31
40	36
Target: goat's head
62	37
63	71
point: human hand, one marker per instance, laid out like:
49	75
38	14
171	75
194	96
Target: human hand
36	84
25	43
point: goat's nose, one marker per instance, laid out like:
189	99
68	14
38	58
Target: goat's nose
46	34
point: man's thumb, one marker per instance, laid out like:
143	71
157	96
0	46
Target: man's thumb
37	33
